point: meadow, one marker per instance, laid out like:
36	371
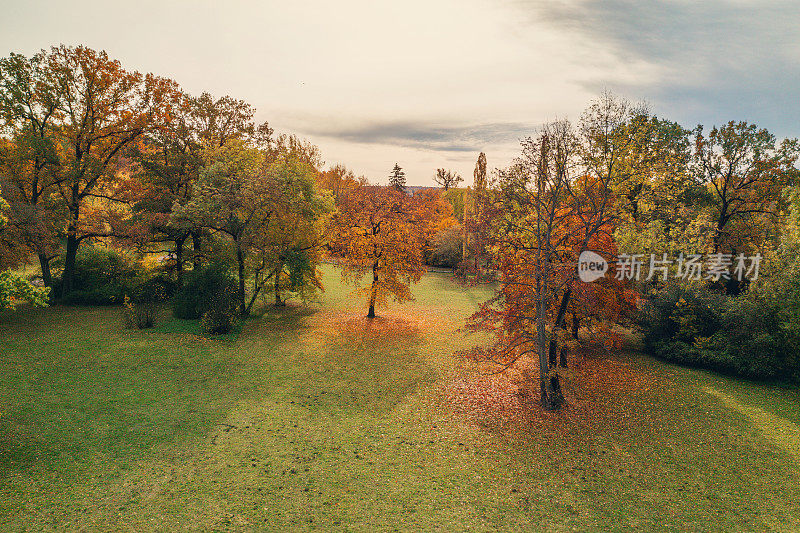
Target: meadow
315	418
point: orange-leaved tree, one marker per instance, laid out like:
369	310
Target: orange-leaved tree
382	231
553	204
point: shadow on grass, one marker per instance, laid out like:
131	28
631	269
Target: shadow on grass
365	367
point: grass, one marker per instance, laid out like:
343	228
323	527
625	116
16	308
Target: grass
316	419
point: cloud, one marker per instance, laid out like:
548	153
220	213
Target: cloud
717	60
426	136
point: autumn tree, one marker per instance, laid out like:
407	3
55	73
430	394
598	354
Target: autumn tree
382	232
397	178
447	178
745	169
339	180
29	159
556	202
104	109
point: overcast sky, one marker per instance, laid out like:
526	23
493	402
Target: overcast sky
430	83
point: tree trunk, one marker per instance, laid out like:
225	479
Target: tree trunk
562	358
576	325
552	398
256	290
278	301
197	241
47	277
179	259
71	252
373	291
240	260
559	323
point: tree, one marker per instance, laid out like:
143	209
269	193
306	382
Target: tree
231	198
382	231
654	175
270	211
447	178
339	181
475	206
397	178
288	250
745	170
556	202
170	161
29	162
104	109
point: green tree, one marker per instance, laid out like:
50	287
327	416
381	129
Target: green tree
288	248
231	199
397	178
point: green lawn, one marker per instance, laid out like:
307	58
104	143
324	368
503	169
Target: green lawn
318	419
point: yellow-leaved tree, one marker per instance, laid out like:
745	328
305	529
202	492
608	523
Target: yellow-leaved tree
383	231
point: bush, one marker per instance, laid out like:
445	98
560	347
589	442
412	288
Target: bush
747	335
221	315
202	289
102	277
141	308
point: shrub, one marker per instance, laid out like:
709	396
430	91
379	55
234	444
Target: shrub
14	289
141	308
221	315
748	335
201	289
102	277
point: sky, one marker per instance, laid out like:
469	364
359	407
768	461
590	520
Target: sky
431	83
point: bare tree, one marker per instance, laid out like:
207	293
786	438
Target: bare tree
446	178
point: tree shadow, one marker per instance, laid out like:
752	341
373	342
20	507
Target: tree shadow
365	367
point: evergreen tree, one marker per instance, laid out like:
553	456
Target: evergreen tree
397	178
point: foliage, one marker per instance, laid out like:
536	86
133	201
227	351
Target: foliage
447	248
102	276
14	289
338	181
201	289
382	231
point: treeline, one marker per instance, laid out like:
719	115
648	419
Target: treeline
166	183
